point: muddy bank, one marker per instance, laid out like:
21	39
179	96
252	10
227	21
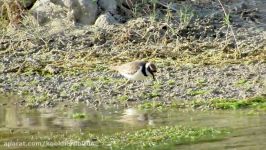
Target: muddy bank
186	83
197	58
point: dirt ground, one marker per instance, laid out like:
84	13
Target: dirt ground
194	49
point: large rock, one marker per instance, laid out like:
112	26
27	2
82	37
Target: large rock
75	11
108	5
118	7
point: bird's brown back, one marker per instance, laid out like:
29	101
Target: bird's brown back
129	68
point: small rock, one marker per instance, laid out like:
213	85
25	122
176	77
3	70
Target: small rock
105	21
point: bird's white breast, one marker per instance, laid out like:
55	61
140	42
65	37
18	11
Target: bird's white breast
136	76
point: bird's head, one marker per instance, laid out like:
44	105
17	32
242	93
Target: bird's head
151	68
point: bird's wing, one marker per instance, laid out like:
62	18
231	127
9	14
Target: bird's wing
131	67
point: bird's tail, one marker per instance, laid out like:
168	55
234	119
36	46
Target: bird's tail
113	68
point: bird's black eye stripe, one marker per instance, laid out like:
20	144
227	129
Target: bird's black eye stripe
149	69
143	69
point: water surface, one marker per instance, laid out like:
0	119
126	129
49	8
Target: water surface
248	130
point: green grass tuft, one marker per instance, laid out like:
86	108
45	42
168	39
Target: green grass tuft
255	103
163	137
78	115
197	92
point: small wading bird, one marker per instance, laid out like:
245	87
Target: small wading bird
136	70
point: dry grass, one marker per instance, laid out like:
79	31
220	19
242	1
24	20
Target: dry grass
229	26
139	39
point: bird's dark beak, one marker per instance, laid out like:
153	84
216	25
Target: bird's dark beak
153	77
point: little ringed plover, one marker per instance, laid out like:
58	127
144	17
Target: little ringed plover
136	70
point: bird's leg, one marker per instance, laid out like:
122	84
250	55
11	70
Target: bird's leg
132	86
143	85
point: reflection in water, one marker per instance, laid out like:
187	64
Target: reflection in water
249	130
2	116
12	117
135	117
62	118
47	119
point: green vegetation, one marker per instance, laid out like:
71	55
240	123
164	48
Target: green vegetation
79	115
171	82
148	96
227	23
167	137
241	82
196	92
201	82
256	103
226	20
76	86
123	98
89	83
36	99
185	14
162	136
152	105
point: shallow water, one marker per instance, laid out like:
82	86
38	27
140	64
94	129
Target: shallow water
248	131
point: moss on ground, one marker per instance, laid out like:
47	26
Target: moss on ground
78	115
163	136
256	103
167	136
